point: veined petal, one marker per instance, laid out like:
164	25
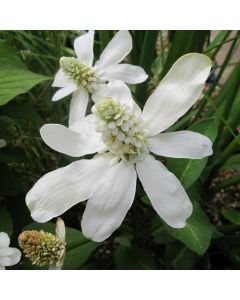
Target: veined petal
116	50
61	80
165	192
177	92
4	240
69	141
65	91
125	72
59	190
181	144
78	105
109	202
83	47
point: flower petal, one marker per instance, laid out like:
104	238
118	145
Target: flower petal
61	80
109	202
65	91
2	267
69	141
15	256
61	230
4	240
59	190
181	144
83	47
78	106
116	50
127	73
165	192
177	92
116	90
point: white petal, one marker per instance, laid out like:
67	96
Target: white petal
61	230
59	190
15	256
68	141
83	47
5	260
117	49
109	202
78	105
181	144
177	92
6	251
61	79
4	240
127	73
165	192
2	267
65	91
116	90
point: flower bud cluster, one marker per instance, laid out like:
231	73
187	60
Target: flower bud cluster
122	129
42	248
81	74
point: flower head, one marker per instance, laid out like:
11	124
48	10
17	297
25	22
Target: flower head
128	136
80	77
44	248
8	256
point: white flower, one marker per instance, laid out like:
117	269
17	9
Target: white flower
78	76
128	136
8	256
44	248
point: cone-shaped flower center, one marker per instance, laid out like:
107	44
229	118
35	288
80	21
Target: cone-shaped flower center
81	74
122	129
43	248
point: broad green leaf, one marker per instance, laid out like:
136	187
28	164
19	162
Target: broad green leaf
180	257
15	79
188	170
232	215
6	224
197	233
76	257
133	259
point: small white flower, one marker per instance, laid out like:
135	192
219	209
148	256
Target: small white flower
8	256
80	77
108	180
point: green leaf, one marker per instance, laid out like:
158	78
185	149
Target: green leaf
188	170
133	259
233	162
180	257
232	215
197	233
6	224
76	257
15	79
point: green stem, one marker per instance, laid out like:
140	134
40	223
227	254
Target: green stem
222	43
